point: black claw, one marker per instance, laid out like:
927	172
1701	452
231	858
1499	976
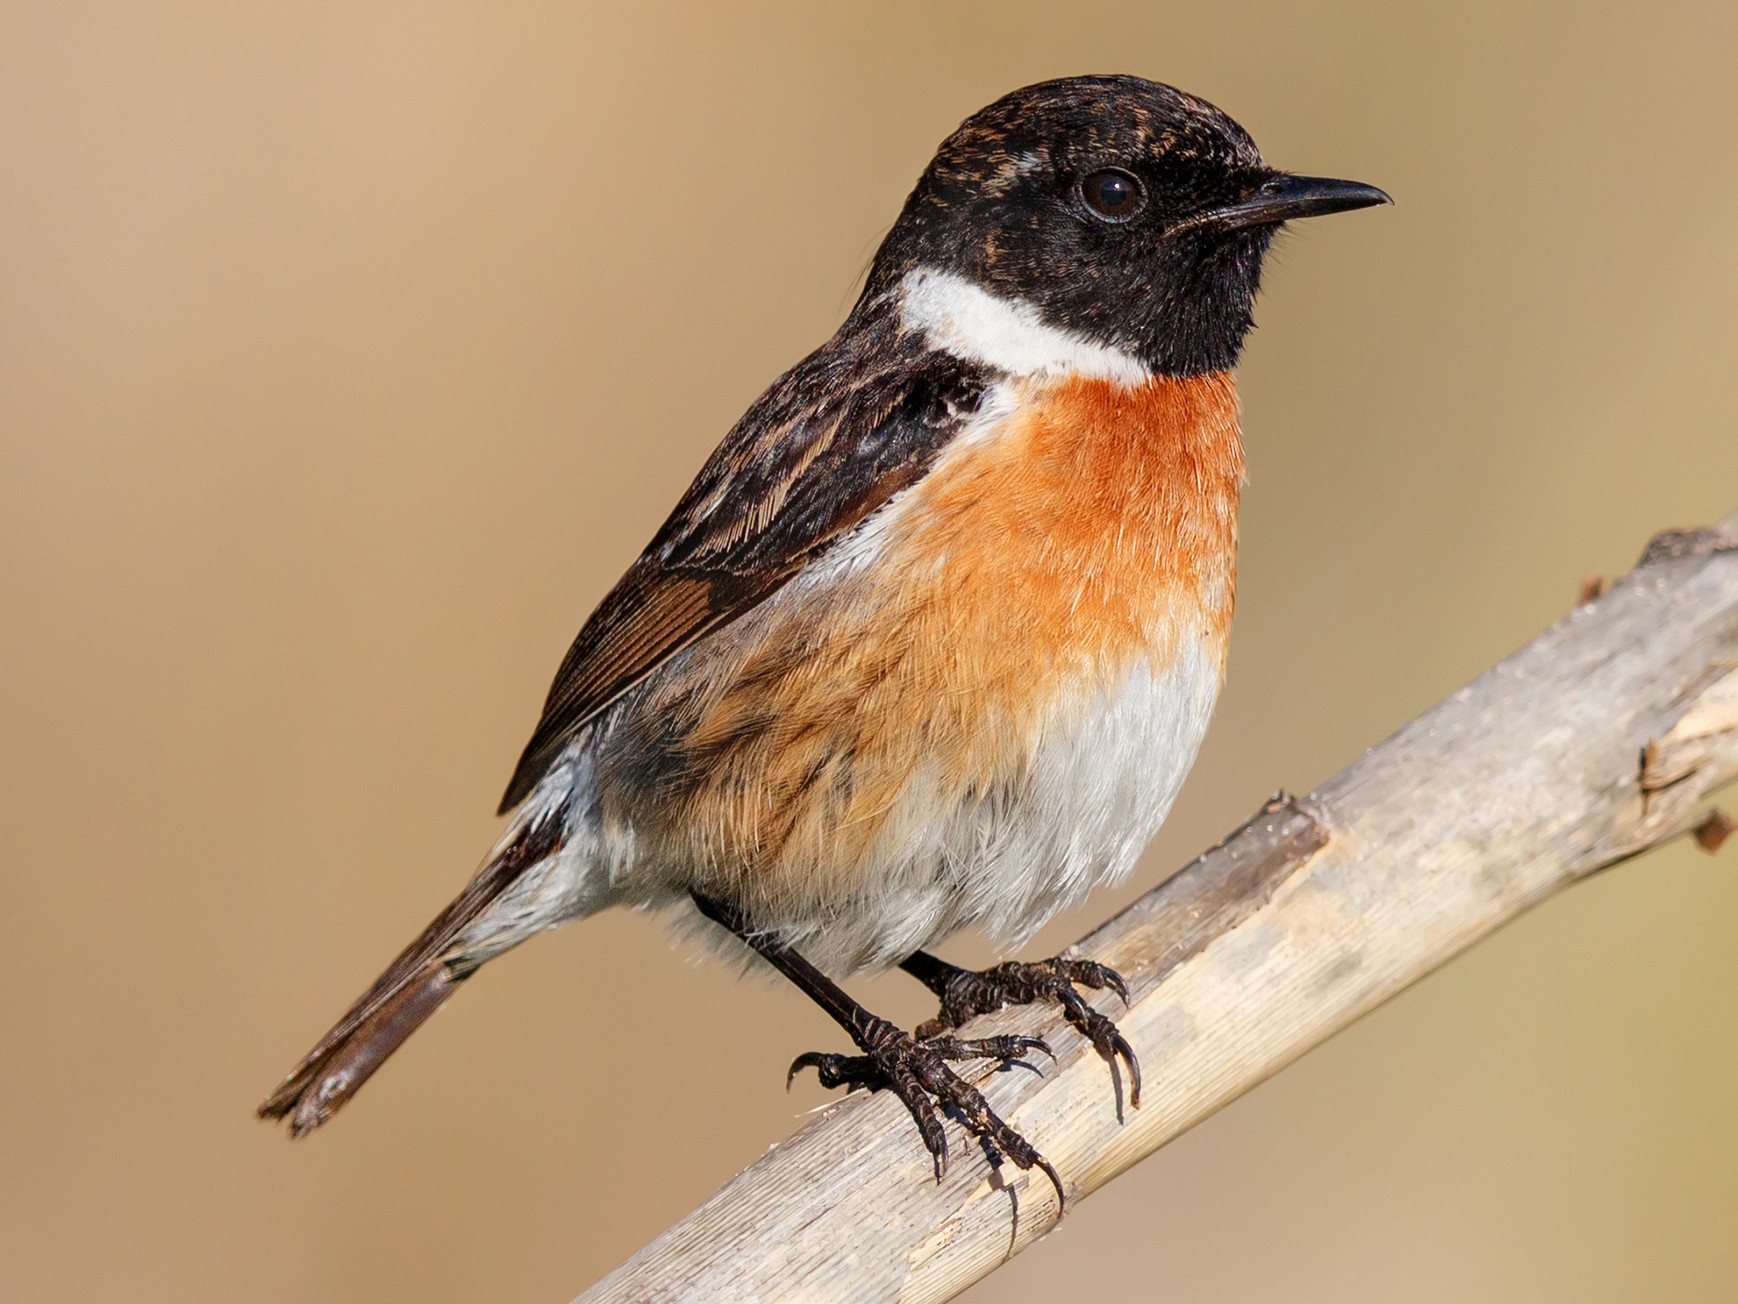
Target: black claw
813	1059
1113	980
1090	973
935	1141
965	995
918	1073
1112	1046
1056	1181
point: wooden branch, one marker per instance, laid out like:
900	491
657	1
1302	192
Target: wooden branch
1595	742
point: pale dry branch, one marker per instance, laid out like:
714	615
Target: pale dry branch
1600	739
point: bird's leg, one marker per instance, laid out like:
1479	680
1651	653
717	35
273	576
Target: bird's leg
914	1070
966	994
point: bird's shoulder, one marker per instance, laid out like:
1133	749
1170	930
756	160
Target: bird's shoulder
828	444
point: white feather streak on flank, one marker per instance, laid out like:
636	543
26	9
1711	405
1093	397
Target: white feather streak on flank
1010	335
578	879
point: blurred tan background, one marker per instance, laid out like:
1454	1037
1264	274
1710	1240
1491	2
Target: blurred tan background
338	347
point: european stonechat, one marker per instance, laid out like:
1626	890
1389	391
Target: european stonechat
933	637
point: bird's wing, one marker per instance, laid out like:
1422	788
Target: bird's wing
825	447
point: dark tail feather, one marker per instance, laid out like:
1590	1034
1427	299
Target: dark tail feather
413	987
336	1069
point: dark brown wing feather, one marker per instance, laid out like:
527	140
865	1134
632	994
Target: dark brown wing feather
828	444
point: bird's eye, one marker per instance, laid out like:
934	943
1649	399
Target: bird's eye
1113	194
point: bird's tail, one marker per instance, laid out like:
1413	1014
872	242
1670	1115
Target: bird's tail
414	986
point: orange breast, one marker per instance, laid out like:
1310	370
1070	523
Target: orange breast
1060	545
1017	582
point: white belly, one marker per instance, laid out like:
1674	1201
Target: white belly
1102	776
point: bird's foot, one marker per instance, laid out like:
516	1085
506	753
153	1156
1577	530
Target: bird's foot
966	994
916	1070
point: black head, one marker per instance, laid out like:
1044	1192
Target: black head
1124	210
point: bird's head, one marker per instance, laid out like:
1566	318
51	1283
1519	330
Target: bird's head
1120	211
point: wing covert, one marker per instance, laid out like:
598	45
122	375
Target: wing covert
829	444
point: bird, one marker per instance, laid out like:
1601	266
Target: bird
933	637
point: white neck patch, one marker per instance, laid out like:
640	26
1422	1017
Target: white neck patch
969	322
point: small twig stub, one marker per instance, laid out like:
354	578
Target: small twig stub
1712	832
